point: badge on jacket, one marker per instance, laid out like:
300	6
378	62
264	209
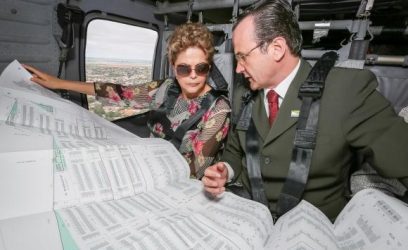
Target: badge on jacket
294	113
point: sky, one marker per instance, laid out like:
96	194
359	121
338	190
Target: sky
136	43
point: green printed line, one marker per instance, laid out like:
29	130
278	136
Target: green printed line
47	108
68	242
13	112
58	159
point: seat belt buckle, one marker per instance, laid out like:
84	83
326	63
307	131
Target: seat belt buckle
312	89
305	138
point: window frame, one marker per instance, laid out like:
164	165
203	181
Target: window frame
92	16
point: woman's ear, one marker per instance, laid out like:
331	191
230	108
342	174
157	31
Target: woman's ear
173	67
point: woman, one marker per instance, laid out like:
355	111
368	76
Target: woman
190	51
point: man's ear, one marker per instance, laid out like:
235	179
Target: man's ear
278	48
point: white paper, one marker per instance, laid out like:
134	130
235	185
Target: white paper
70	179
38	231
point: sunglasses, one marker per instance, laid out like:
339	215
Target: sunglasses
200	69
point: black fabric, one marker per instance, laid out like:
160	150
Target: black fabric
304	142
245	122
306	133
253	164
172	94
191	122
68	16
161	114
218	78
242	120
245	114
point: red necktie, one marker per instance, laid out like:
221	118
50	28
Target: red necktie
273	103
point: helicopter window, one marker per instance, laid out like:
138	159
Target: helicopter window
118	53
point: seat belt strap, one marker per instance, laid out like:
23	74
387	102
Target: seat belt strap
68	17
306	133
172	94
305	139
218	78
253	164
245	122
194	119
161	115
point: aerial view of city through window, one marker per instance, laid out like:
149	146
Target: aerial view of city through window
118	53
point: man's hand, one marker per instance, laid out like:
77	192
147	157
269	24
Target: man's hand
214	179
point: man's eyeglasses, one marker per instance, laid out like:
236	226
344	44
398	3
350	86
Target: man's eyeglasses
200	69
242	57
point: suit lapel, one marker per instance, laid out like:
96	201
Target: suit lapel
259	117
290	103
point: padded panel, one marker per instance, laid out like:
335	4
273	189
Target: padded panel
225	62
27	33
393	84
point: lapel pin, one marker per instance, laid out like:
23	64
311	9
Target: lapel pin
294	113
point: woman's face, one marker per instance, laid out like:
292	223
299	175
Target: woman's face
191	70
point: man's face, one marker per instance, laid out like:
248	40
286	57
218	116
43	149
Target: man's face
257	66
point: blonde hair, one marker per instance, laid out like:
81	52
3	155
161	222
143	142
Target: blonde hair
190	35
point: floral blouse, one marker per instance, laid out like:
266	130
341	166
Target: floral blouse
199	145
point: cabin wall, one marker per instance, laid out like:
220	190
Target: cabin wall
27	33
30	31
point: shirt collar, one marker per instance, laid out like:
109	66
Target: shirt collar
283	86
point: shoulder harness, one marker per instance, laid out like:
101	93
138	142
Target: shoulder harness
161	114
310	93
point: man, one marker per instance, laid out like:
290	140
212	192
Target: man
354	118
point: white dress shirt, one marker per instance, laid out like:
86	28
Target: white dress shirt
281	90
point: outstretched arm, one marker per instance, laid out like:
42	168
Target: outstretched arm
53	82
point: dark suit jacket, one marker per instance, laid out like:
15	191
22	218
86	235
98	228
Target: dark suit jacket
354	117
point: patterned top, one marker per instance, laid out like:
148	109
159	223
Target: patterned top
199	145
